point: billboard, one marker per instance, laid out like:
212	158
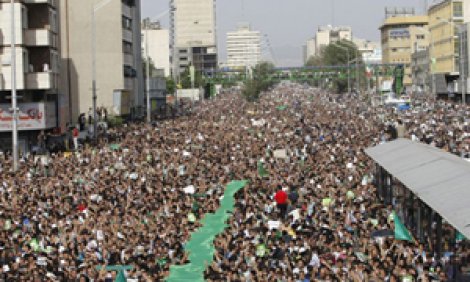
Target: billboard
399	32
31	116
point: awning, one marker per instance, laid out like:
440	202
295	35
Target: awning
438	178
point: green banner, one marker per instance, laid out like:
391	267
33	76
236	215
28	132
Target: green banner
281	108
401	233
262	172
201	247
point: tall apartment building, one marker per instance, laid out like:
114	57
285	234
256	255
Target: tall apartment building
402	34
445	17
309	49
193	35
118	55
37	68
158	40
243	47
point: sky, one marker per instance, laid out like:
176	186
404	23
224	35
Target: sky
289	23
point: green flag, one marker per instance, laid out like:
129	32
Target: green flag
261	170
401	233
282	108
460	237
121	277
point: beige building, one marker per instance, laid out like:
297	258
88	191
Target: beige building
193	35
329	34
118	55
444	19
37	67
401	36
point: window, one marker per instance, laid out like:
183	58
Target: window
458	9
420	37
126	23
127	47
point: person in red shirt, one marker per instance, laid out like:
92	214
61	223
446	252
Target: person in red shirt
281	198
75	134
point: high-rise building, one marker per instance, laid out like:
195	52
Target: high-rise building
118	55
445	17
309	49
193	35
37	67
243	47
158	44
403	34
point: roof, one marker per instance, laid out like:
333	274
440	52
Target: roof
439	179
405	20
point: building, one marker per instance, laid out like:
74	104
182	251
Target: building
371	51
193	35
329	34
37	58
243	47
421	72
465	35
158	44
445	17
309	49
402	34
118	55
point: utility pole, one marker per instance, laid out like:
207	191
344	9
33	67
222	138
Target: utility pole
149	107
13	90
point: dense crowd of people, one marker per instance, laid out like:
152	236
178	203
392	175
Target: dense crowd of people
68	216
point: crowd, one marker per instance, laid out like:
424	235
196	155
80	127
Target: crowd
68	216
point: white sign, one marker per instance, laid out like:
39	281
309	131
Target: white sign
31	116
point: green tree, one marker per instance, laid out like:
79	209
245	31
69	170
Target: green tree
186	79
170	86
259	82
314	61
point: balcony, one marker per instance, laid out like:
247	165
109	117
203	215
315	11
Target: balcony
40	38
41	81
127	35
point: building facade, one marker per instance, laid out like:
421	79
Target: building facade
309	49
193	35
401	36
243	47
118	55
37	55
421	72
158	45
445	18
329	34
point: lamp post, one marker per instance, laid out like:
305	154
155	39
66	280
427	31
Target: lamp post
13	90
95	9
348	58
356	60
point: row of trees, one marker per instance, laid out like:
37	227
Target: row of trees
337	54
258	82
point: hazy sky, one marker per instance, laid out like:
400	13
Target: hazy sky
289	23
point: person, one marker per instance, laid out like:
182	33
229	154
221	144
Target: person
281	201
75	135
90	116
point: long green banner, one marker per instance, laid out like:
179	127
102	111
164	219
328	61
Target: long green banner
201	247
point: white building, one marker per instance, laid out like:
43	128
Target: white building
309	49
158	45
243	47
371	51
193	35
37	70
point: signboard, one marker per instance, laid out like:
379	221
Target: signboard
400	32
31	116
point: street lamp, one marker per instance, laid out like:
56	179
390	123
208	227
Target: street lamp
95	9
461	70
348	58
13	90
356	60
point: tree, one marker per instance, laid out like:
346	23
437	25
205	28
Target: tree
186	79
170	86
259	82
314	61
